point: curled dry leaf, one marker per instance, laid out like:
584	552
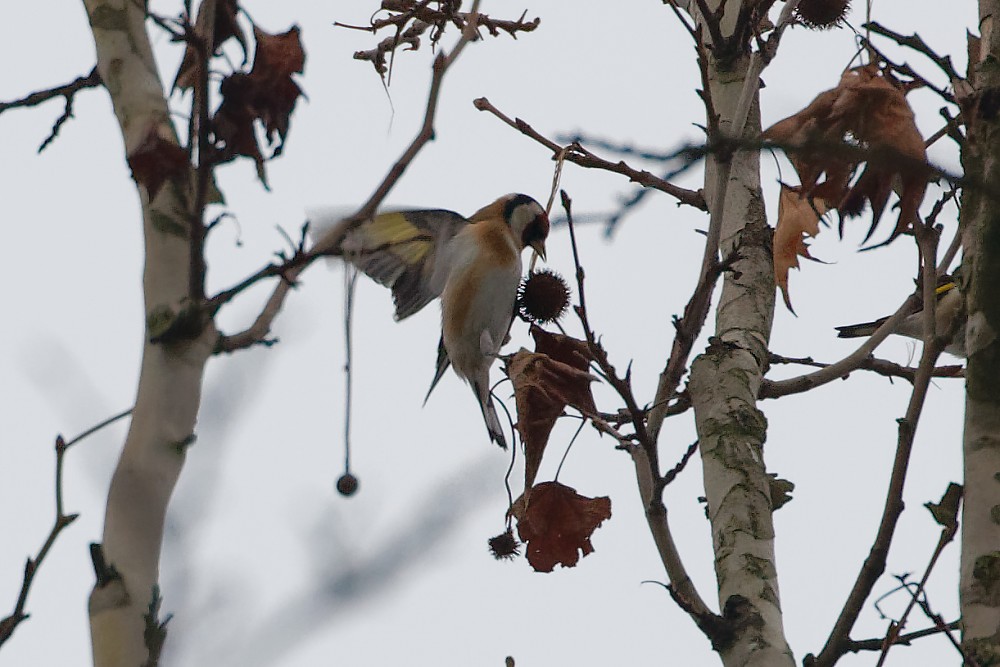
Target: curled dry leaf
556	524
798	219
267	94
867	109
157	159
543	387
566	349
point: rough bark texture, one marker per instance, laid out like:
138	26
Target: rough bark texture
980	568
724	386
170	381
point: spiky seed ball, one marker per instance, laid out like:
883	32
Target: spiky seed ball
822	14
543	297
347	484
504	546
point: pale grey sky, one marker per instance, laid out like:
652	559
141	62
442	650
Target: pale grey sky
255	512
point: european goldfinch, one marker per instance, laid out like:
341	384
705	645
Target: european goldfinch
950	305
473	264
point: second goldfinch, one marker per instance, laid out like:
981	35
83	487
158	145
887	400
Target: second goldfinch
473	264
950	306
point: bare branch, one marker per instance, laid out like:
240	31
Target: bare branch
200	39
645	458
874	564
852	362
877	643
67	91
62	521
411	19
948	530
677	469
579	155
908	71
916	43
881	367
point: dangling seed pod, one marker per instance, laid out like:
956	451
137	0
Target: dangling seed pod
505	546
347	484
543	297
822	14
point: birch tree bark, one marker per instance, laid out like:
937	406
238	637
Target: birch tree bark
980	564
172	367
726	378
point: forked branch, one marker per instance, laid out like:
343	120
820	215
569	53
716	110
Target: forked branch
67	91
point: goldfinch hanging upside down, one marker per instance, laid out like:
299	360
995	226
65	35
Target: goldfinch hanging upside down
473	264
950	305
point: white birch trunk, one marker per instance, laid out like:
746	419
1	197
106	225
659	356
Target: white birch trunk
170	381
724	385
980	564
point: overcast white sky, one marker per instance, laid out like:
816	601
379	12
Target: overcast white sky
265	564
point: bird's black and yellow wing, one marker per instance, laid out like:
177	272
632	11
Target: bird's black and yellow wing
405	251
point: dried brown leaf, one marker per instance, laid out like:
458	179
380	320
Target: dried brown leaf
543	387
867	109
879	116
267	94
566	349
798	219
157	159
556	524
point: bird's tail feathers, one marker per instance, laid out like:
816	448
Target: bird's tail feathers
443	362
490	415
860	330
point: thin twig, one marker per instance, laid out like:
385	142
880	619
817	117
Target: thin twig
62	521
579	155
677	469
947	535
67	91
908	71
939	624
350	283
877	643
759	60
861	358
644	455
200	39
881	367
874	564
852	362
916	43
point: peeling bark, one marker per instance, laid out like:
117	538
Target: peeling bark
724	385
980	564
170	381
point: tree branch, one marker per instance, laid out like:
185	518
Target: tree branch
290	268
916	43
579	155
881	367
67	91
877	643
852	362
948	530
62	521
645	459
874	564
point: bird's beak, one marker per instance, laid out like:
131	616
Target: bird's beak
539	248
